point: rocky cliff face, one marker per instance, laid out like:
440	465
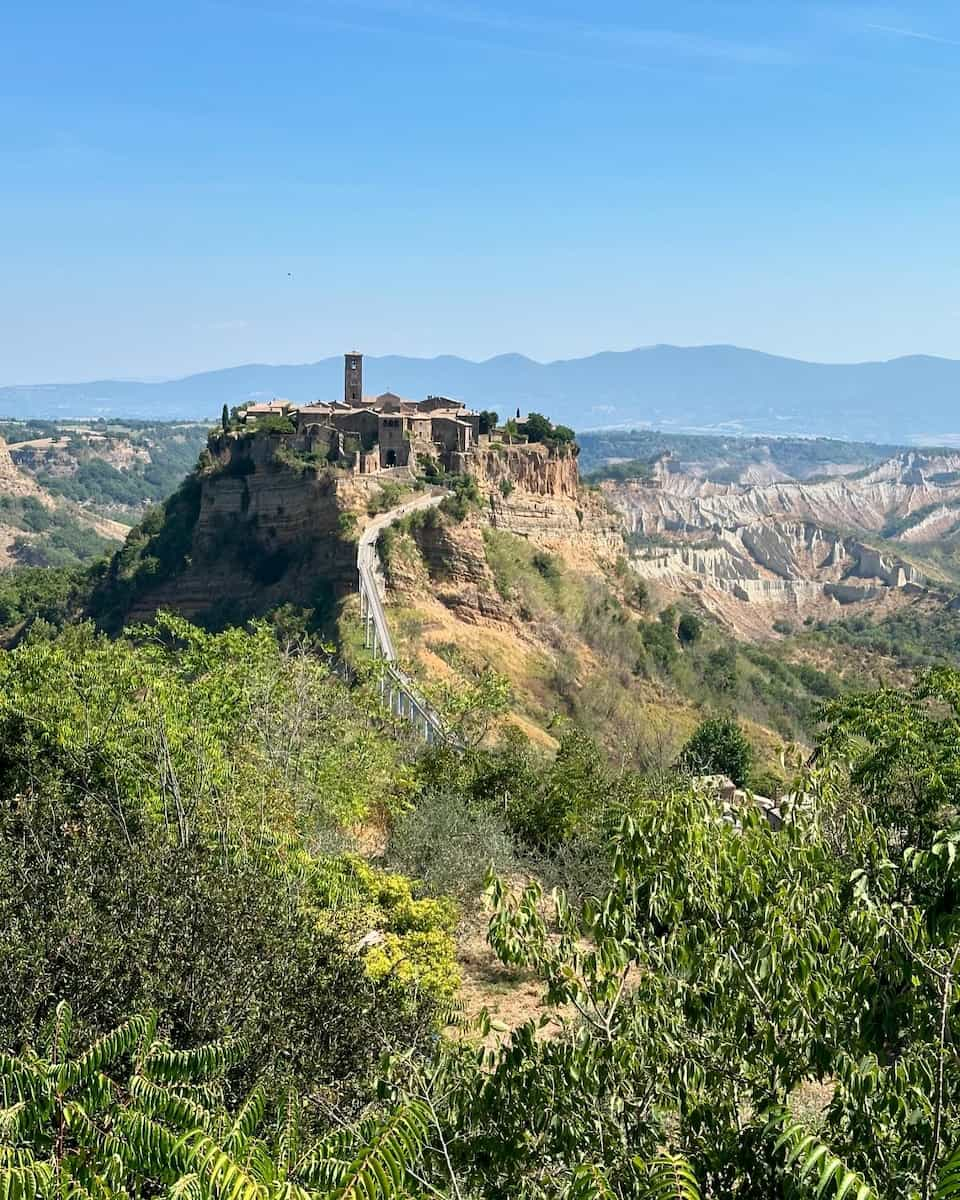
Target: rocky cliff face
897	497
14	482
263	530
526	491
56	457
794	547
536	494
451	567
532	469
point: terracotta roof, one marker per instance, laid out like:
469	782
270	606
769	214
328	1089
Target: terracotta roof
274	406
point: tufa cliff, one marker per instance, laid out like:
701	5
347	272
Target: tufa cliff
536	494
250	529
258	525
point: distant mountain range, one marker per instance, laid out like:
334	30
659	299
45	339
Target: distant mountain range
721	389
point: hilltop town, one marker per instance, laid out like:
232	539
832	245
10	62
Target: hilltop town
369	435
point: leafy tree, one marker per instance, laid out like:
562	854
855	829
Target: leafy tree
537	427
470	711
49	594
720	670
903	752
465	498
225	418
659	638
689	629
721	967
718	747
167	788
488	420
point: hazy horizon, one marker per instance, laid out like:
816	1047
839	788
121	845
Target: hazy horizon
478	361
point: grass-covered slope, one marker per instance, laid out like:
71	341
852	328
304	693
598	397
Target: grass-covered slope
597	650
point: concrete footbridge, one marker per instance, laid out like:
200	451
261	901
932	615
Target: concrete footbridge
397	689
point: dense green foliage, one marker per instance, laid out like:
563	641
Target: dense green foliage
52	537
132	1115
464	499
724	967
718	747
488	420
799	457
155	550
913	637
539	428
208	991
174	787
41	593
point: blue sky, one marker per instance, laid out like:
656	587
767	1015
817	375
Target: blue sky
198	183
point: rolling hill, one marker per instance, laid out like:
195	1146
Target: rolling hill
716	388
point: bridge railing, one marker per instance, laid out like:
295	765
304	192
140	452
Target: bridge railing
397	689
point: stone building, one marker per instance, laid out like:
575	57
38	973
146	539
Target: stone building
377	433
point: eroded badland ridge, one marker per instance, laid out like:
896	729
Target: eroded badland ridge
754	553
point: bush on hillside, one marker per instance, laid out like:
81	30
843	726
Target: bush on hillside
449	844
689	629
718	747
154	798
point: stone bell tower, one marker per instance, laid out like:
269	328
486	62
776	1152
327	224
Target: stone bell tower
353	378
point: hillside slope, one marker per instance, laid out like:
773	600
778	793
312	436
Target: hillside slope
38	529
533	583
113	469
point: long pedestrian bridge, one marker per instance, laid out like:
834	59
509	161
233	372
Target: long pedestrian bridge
397	689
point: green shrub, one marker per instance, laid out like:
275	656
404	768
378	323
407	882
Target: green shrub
546	565
48	593
720	670
718	747
450	844
640	596
465	498
689	629
661	642
388	496
347	525
767	782
274	423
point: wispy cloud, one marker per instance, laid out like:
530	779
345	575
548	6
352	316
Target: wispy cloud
517	31
669	41
660	40
917	34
